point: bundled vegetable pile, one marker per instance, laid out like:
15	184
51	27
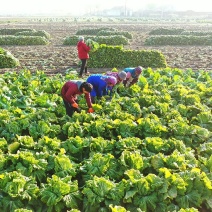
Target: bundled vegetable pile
7	60
178	36
117	32
108	36
179	40
93	31
106	56
149	149
23	37
109	40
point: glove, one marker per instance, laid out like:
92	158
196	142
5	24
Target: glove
128	84
75	105
90	110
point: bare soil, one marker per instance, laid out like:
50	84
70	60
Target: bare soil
56	57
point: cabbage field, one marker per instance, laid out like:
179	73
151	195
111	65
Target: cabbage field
149	149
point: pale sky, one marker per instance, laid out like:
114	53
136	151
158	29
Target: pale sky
13	7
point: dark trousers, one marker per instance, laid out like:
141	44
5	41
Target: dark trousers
83	66
69	109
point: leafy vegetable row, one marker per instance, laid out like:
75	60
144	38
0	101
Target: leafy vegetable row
149	149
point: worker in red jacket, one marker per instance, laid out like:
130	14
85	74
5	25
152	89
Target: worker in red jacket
83	54
69	93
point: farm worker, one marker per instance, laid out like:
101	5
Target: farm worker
69	93
101	85
83	54
132	75
120	76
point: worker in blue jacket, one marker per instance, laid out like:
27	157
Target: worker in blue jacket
101	83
